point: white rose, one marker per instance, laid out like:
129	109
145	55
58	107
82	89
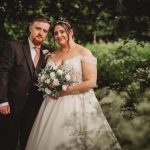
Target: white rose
39	74
47	81
55	82
60	72
52	75
64	87
48	91
42	89
48	64
45	51
55	67
43	77
67	76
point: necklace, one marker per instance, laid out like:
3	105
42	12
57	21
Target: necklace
62	54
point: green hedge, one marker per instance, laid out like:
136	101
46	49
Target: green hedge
123	90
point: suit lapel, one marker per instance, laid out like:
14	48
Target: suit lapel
27	53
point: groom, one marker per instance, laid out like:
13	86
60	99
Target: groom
19	98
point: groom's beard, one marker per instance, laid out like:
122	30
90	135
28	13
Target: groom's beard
38	40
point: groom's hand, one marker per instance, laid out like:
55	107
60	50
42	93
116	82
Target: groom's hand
5	110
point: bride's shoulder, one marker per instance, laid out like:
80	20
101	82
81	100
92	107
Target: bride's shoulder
83	51
86	55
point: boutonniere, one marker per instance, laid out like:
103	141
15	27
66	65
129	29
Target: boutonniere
46	53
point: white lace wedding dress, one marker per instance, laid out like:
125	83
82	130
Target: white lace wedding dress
74	122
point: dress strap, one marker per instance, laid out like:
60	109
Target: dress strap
89	59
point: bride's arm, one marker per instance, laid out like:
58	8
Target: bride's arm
89	70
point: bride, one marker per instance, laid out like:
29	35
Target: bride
74	120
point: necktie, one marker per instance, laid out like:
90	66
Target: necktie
37	55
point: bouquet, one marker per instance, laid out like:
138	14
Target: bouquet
52	79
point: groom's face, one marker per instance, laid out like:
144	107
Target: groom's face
38	32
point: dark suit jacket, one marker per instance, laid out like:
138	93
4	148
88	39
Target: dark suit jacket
18	75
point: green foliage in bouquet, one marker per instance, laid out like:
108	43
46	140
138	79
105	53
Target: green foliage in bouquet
53	79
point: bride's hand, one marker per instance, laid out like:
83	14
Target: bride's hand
68	91
62	93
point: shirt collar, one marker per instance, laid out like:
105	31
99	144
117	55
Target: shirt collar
32	45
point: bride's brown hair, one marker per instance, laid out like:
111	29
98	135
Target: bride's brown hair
64	23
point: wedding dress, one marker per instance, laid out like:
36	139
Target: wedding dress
74	122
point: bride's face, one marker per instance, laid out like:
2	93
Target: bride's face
61	36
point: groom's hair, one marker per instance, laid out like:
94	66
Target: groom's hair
41	19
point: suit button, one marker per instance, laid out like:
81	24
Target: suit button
27	94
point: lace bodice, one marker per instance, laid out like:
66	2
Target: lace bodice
74	66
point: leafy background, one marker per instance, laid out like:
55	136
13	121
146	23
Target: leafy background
118	34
